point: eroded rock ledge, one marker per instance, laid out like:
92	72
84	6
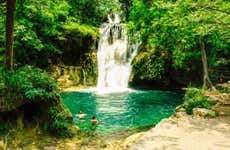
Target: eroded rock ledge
186	132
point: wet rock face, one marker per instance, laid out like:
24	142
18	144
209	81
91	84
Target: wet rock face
83	74
68	76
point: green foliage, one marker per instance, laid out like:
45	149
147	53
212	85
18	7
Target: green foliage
31	84
38	29
149	66
85	30
195	98
4	127
59	122
2	34
179	28
94	11
212	114
44	28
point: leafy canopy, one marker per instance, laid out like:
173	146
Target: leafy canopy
179	27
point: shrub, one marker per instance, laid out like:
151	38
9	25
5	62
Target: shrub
30	83
195	98
35	88
59	122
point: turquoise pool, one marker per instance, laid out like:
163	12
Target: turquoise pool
117	112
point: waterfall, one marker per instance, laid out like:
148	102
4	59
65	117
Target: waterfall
114	55
114	18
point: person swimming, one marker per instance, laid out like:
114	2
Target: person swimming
94	120
81	116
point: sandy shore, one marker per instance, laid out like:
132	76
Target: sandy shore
187	133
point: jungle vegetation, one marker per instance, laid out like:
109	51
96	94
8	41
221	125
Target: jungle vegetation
185	39
181	35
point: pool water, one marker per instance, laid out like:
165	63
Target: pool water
122	111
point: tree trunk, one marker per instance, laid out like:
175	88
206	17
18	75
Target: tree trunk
10	33
206	80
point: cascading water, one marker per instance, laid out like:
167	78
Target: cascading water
114	55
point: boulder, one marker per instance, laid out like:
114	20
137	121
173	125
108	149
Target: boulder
132	139
203	112
180	114
180	108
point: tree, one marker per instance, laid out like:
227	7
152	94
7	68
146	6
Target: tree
206	80
9	33
43	28
208	23
185	29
